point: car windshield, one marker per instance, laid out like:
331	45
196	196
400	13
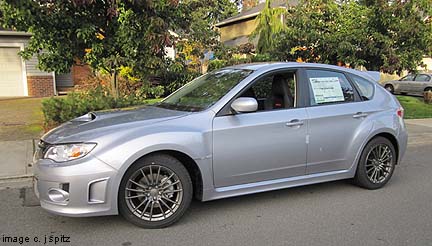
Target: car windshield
205	90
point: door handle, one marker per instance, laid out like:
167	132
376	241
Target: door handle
360	115
295	122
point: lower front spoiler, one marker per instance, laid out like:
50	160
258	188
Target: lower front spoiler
87	211
81	189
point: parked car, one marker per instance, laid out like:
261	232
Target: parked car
416	84
235	131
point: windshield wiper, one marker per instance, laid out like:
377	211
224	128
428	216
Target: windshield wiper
179	107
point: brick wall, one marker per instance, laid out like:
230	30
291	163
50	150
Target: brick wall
40	86
80	73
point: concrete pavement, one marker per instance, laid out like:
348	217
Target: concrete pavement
16	158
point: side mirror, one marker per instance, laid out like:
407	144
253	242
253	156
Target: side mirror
244	105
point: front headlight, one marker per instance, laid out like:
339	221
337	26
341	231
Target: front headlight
68	152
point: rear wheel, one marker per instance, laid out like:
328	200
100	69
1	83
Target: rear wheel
377	164
155	192
389	88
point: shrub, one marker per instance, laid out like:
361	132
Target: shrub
58	110
175	75
216	64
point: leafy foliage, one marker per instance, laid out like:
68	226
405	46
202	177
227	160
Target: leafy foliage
390	36
204	14
105	34
57	110
268	25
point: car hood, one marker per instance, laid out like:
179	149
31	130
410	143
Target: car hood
94	124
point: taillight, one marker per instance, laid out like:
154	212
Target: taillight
400	112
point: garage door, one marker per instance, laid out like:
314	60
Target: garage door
11	81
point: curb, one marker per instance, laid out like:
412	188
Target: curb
25	176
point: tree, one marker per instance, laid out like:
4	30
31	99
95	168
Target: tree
402	35
105	34
309	29
390	36
202	36
204	14
269	23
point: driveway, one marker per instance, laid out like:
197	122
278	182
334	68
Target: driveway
334	213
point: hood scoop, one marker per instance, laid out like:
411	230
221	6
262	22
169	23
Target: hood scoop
86	118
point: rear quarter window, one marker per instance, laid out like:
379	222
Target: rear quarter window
365	87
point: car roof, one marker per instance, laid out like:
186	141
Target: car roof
276	65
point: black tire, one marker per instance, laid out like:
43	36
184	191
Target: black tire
153	162
363	174
389	88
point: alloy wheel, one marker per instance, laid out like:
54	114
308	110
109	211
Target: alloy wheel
153	193
379	163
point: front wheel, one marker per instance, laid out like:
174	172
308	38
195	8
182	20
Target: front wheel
155	192
376	165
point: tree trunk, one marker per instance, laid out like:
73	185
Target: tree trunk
114	84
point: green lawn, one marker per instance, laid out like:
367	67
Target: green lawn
20	118
415	108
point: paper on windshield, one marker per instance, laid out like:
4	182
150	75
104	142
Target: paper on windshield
327	89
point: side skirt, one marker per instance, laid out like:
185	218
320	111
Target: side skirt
276	184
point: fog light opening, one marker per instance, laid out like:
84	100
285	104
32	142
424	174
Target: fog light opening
58	195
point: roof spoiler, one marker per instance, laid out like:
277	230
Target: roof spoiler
374	75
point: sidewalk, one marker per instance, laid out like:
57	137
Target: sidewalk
16	156
419	131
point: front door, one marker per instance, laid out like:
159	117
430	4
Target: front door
263	145
406	82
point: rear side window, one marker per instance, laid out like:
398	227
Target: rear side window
422	77
365	87
329	87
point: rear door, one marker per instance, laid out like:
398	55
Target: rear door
421	82
336	113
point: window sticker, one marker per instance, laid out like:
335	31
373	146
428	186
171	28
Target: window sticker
327	89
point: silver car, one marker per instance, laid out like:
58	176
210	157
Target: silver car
235	131
416	84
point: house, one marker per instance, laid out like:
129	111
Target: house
427	62
19	77
236	30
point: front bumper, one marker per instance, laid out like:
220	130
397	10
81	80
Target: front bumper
88	183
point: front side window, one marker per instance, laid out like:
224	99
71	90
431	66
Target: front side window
328	87
273	91
204	91
409	77
422	78
365	87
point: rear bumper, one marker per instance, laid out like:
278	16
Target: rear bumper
403	144
87	183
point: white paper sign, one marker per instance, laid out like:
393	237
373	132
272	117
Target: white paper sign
327	89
